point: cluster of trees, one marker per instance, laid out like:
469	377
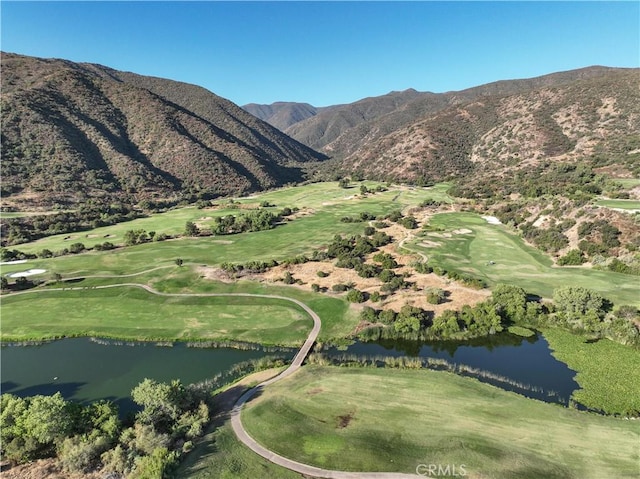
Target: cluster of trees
258	220
248	267
140	236
350	251
88	216
585	310
576	181
508	305
363	216
92	437
550	239
416	323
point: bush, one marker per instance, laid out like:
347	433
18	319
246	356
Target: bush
356	296
322	274
422	268
339	288
76	248
572	258
435	295
386	275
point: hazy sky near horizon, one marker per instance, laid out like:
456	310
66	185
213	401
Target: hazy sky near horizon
327	53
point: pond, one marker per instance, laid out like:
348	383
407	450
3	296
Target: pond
85	370
514	363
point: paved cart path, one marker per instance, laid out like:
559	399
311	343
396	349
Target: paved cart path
236	422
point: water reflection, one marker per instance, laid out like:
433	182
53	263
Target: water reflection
515	363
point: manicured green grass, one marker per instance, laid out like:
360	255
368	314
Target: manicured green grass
393	420
608	372
300	236
620	204
326	203
132	313
628	182
493	253
224	457
136	314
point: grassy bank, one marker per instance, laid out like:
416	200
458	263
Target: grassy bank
620	204
465	242
132	313
608	372
381	420
222	456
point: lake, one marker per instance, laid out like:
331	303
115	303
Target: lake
523	365
84	370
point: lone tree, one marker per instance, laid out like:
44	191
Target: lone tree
343	183
190	229
179	261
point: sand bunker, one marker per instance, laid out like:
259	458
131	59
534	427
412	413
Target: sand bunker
462	231
428	244
15	261
29	272
492	220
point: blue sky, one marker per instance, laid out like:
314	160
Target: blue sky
327	53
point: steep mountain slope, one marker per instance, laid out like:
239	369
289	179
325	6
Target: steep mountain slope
597	114
72	131
319	131
282	114
342	130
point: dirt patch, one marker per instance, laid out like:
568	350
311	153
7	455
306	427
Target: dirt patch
462	231
214	274
428	244
344	420
314	391
540	221
45	469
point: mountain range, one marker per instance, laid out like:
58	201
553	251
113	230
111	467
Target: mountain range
73	132
410	135
77	131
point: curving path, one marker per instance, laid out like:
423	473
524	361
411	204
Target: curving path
236	422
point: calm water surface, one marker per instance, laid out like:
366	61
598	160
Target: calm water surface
84	370
525	361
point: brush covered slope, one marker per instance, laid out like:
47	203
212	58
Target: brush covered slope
505	125
584	120
72	132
